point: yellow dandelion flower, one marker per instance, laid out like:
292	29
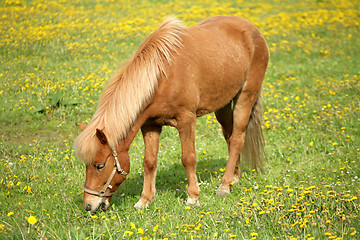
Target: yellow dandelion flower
198	227
132	225
32	220
156	228
10	214
28	189
128	233
140	231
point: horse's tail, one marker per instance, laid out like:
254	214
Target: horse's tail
253	150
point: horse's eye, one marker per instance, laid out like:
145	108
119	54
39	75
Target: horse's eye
100	166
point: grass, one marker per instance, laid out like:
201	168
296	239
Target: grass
55	58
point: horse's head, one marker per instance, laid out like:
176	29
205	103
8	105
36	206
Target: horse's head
105	174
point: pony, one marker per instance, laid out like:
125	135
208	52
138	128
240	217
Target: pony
178	74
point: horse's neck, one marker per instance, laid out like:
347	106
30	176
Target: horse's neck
124	145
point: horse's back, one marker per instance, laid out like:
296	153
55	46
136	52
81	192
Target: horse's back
231	26
212	65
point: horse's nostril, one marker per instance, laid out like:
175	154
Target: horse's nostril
88	207
103	207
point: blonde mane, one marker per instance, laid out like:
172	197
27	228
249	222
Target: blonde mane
126	93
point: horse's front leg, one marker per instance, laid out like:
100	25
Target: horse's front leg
186	127
151	140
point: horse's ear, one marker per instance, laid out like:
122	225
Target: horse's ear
82	126
101	136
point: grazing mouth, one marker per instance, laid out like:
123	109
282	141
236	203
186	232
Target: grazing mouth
104	206
100	203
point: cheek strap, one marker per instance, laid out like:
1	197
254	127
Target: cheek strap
117	163
117	168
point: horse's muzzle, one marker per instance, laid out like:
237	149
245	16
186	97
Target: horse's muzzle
93	203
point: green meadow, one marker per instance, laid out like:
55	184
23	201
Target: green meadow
56	56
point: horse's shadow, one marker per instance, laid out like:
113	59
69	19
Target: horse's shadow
171	175
170	178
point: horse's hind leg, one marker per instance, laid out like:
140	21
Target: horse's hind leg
151	140
236	142
225	118
241	114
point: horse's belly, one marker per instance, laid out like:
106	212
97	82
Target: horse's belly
220	83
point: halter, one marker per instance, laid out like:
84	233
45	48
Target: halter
117	168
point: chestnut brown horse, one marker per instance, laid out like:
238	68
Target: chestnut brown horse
178	74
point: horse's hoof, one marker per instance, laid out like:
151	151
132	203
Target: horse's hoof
193	202
223	191
141	204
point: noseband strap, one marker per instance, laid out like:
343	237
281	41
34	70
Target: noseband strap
117	168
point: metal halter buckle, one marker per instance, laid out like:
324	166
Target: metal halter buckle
117	168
